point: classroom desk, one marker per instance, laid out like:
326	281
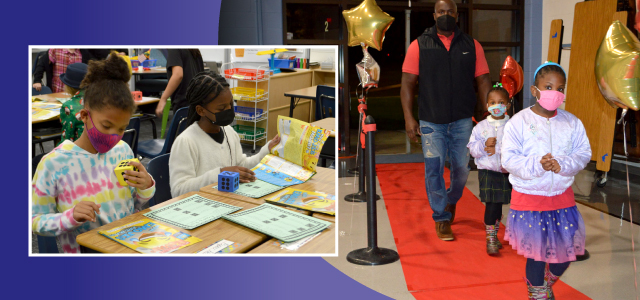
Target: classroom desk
327	123
160	70
147	100
322	181
208	233
304	93
321	216
323	243
52	97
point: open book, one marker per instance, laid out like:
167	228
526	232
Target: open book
147	236
307	200
294	159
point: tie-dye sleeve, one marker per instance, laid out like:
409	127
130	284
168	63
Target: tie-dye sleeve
45	218
142	196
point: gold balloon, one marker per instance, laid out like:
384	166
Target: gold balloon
616	72
367	23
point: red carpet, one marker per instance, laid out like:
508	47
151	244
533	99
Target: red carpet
460	269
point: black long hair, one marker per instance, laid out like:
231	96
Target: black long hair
200	87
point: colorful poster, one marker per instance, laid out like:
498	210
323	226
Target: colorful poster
147	236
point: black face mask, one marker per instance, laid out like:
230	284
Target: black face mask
446	23
224	117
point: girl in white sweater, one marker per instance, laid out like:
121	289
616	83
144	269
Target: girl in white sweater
208	146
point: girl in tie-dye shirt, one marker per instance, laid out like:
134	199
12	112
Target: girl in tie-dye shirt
74	189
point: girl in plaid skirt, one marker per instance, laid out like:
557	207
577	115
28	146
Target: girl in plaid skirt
484	145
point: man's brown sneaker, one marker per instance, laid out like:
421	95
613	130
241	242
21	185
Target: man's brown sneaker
443	229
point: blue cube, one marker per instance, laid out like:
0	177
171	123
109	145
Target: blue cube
228	181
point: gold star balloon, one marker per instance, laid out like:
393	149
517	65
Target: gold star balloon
616	72
367	23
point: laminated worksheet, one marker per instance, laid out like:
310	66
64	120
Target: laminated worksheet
280	223
256	189
192	212
294	159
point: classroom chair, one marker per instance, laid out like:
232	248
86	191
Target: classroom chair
328	105
43	91
158	168
323	90
131	135
46	244
156	147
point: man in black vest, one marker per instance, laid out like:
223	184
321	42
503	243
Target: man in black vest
443	62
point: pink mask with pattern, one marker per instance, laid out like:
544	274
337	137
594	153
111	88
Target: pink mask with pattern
102	142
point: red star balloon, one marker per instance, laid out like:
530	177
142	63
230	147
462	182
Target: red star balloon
511	76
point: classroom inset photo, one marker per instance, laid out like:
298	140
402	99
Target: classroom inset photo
210	150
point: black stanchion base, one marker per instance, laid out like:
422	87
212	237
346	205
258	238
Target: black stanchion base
358	197
372	256
354	171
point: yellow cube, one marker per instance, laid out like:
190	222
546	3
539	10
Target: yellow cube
122	167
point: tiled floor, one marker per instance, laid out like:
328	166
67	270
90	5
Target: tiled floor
608	274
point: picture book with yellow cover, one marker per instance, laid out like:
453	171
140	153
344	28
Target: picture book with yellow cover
147	236
313	201
294	159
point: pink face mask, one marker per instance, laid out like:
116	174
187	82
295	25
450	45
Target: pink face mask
550	100
100	141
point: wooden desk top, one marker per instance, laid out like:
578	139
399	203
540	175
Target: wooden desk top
147	100
325	243
287	74
327	123
306	93
321	216
324	71
52	97
322	181
208	233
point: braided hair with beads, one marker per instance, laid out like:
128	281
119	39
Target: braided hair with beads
199	90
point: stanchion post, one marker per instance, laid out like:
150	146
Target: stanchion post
361	195
372	255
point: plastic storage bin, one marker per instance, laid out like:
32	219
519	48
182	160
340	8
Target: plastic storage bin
246	132
246	94
247	113
282	63
244	74
135	64
149	63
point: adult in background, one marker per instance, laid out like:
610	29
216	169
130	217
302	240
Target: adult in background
43	68
182	66
444	62
61	58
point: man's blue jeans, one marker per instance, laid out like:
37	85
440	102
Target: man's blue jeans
440	141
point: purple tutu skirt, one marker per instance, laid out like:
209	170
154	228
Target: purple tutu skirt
554	236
